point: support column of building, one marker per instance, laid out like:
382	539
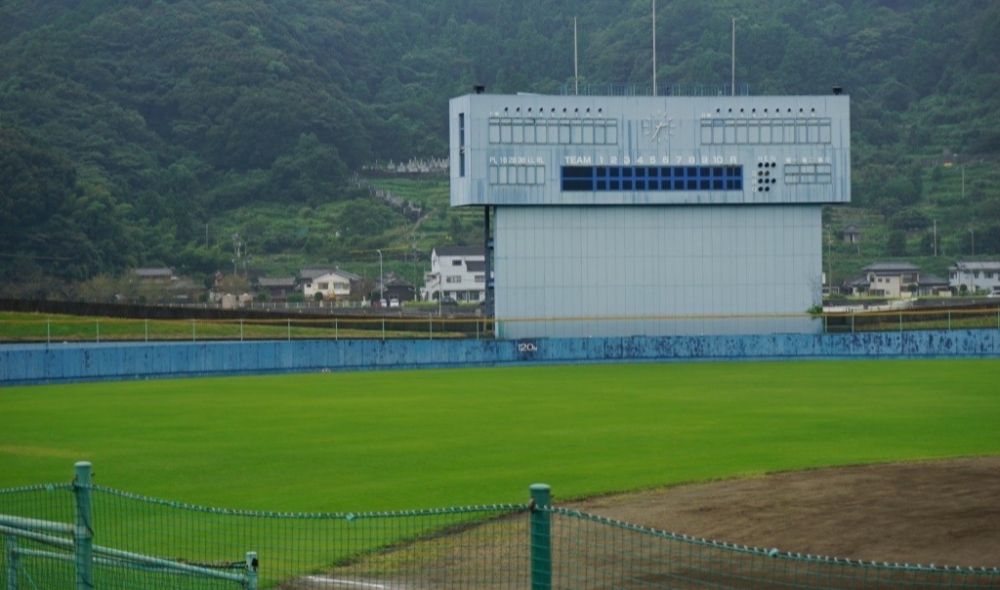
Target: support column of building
488	261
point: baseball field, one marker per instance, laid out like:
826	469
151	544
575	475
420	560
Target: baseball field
417	439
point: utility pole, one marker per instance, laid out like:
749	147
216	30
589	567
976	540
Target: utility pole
381	280
963	183
236	252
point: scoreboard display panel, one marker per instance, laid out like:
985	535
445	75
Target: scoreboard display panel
641	215
569	150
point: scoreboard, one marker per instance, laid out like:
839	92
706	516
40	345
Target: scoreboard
568	150
641	215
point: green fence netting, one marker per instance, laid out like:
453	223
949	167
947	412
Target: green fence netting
138	542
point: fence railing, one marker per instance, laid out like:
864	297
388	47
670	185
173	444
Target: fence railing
46	554
533	545
70	329
80	329
911	319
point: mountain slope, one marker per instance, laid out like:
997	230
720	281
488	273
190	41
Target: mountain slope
173	116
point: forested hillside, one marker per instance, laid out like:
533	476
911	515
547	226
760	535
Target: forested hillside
147	132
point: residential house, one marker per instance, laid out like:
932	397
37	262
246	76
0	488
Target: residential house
458	273
857	286
933	286
975	276
307	274
357	282
394	287
851	234
333	284
892	279
161	285
163	275
277	288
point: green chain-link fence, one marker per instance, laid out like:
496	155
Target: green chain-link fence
80	536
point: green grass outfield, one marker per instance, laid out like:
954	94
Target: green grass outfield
434	438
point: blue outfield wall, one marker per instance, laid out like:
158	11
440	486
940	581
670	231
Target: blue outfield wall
25	364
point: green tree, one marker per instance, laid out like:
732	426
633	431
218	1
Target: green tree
367	217
313	173
909	219
897	243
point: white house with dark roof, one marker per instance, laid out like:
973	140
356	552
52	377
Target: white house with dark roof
457	272
333	284
892	279
976	276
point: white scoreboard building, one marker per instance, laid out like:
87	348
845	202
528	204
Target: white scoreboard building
620	216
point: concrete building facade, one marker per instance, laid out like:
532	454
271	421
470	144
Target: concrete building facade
975	276
458	273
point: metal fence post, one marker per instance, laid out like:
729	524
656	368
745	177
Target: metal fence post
252	570
83	535
541	538
12	564
48	331
97	332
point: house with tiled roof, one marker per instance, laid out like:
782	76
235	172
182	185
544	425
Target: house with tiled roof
892	279
156	275
933	286
851	234
277	288
333	284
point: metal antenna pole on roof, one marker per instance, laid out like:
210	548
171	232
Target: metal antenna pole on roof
576	62
734	59
654	47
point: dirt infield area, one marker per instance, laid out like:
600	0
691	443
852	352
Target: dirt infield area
942	512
